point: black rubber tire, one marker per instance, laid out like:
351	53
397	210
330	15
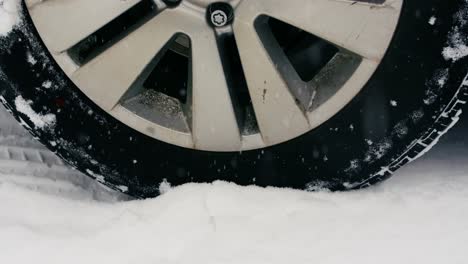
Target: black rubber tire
363	144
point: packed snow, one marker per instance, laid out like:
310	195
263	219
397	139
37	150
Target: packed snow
39	120
419	216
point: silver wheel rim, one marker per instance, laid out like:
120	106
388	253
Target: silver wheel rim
284	105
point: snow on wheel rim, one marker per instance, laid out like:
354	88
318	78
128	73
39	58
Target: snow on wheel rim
278	103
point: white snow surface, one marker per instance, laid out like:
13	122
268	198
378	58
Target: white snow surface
419	216
9	17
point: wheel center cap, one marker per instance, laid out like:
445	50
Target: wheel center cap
219	18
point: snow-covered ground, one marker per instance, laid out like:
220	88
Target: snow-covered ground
419	216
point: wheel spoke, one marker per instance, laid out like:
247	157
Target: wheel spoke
278	114
214	124
362	28
339	91
106	78
66	22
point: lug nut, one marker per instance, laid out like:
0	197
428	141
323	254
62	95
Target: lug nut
220	14
172	3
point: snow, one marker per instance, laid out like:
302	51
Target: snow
164	186
47	84
31	59
9	18
458	45
419	216
39	121
456	53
